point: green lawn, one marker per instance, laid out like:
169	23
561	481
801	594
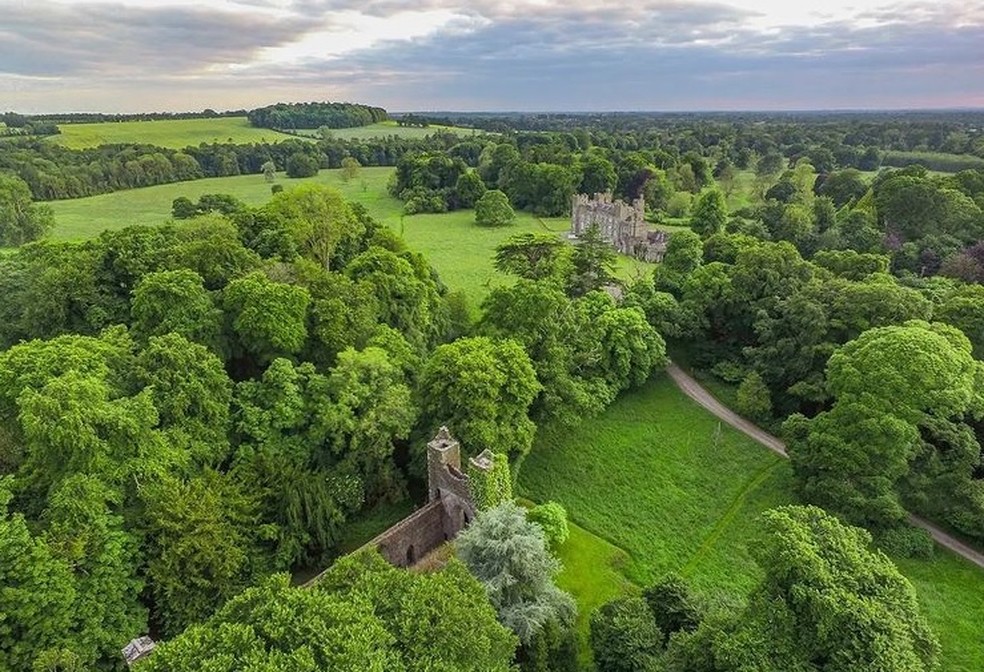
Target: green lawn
173	133
593	575
461	251
661	479
180	133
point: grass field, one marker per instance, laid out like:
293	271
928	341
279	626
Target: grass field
387	128
173	133
179	133
460	251
662	480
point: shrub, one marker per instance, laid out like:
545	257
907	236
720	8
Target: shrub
905	541
493	209
552	517
624	637
753	400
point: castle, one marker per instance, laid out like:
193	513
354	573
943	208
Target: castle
622	225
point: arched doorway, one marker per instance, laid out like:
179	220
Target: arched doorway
411	556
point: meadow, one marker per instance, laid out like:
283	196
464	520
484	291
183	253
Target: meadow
668	488
460	251
180	133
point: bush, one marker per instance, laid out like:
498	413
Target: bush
905	541
753	400
494	209
302	165
672	605
679	204
624	637
552	517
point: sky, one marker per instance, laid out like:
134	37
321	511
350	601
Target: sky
495	55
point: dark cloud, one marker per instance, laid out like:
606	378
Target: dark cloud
107	39
574	55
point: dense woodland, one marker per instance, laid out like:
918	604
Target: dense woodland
315	115
189	411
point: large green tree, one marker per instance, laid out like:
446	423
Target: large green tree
482	388
21	220
509	556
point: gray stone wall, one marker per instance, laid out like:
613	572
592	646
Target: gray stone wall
620	224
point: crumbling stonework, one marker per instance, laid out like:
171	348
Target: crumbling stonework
450	507
620	224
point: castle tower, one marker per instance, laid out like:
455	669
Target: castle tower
443	456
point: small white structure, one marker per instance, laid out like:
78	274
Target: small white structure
138	649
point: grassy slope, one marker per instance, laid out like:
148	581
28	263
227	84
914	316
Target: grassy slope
650	477
174	133
179	133
459	250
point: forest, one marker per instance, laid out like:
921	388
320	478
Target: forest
192	413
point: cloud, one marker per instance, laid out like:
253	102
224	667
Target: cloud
97	39
512	54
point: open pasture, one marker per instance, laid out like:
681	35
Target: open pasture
661	479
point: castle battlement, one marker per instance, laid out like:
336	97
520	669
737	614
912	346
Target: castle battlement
621	224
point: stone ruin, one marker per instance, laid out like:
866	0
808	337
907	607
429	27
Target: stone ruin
621	225
138	649
449	509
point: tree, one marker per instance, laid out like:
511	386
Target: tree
301	164
874	607
674	608
21	220
268	318
38	591
482	388
593	263
890	384
175	301
363	614
710	213
469	189
203	545
318	219
350	168
826	602
684	252
191	392
509	557
493	209
552	517
372	409
533	256
597	175
624	637
83	531
269	170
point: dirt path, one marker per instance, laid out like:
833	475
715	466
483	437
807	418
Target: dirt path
695	391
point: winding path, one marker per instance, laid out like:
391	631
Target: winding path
695	391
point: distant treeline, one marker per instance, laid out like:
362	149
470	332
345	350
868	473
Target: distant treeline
422	121
99	117
54	172
947	163
938	131
315	115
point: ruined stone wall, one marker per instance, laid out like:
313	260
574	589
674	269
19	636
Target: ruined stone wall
415	536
